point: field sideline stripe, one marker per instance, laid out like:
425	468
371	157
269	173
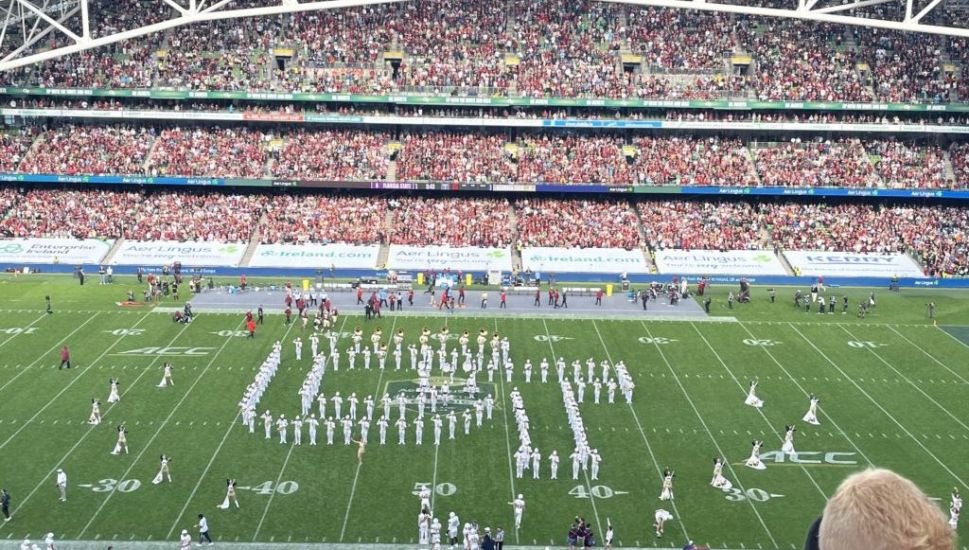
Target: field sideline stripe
70	451
159	430
68	386
759	410
807	394
37	320
882	409
703	422
504	414
208	466
917	388
929	355
168	545
588	483
51	350
642	432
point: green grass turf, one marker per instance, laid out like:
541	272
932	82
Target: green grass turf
899	404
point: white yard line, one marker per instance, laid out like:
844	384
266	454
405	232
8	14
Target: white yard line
642	432
356	475
37	320
958	341
703	422
71	383
807	394
882	409
929	355
588	484
273	494
743	390
917	388
158	431
225	437
504	413
49	351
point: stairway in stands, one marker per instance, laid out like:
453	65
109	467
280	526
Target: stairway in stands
254	240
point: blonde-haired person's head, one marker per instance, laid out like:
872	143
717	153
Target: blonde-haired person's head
880	510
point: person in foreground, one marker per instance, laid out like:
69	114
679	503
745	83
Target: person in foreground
880	510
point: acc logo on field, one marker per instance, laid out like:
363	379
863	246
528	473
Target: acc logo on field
811	457
168	351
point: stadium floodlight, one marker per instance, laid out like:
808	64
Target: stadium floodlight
26	22
815	10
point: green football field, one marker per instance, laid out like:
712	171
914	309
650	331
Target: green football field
893	391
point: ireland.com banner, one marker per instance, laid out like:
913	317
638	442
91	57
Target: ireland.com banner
318	256
853	264
715	262
53	251
583	260
438	258
151	253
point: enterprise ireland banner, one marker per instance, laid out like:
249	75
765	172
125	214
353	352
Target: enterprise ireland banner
53	251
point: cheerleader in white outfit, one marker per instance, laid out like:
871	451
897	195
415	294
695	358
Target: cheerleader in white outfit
667	492
95	417
661	516
122	444
788	447
113	397
752	398
956	500
953	517
811	417
164	471
230	495
754	460
718	480
166	376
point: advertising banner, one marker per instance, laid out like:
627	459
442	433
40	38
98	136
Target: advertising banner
344	256
715	262
853	264
189	253
448	257
584	260
53	251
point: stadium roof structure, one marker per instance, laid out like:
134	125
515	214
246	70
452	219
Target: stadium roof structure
68	24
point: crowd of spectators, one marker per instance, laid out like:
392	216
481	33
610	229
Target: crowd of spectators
334	155
451	222
935	235
210	152
694	225
959	154
692	161
89	150
536	49
454	156
577	224
193	216
819	163
298	218
907	166
468	156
